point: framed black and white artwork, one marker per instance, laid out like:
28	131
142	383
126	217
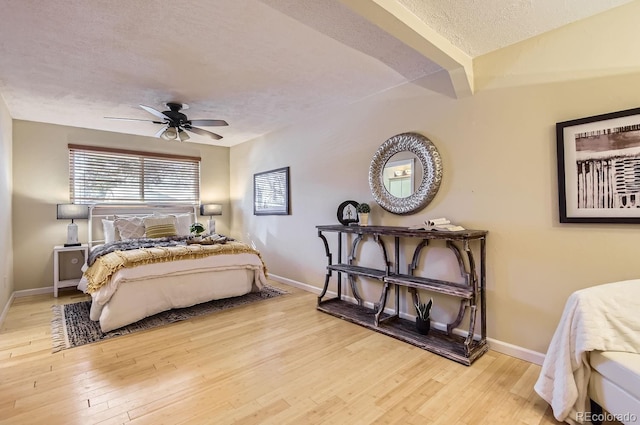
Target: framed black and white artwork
271	192
599	168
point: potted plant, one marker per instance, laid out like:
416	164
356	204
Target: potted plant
363	213
196	229
423	322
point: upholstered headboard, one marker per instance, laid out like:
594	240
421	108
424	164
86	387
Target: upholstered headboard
98	212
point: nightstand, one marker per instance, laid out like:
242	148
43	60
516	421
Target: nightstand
57	283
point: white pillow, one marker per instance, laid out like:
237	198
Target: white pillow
183	223
130	228
109	231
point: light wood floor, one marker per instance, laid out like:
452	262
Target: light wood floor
274	362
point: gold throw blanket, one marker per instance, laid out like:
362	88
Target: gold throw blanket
105	266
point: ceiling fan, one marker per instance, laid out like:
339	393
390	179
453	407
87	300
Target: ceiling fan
175	123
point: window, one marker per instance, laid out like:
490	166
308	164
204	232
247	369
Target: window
113	175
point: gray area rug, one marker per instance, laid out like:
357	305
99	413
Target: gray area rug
72	327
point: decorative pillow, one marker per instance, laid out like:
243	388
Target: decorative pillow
130	228
159	227
183	222
109	231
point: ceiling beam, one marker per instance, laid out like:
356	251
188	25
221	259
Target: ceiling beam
398	21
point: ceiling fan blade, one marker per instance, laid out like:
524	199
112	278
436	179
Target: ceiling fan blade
203	132
134	119
155	112
208	123
162	130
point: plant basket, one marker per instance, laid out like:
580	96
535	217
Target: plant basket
363	219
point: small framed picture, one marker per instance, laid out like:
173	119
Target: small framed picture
599	168
271	192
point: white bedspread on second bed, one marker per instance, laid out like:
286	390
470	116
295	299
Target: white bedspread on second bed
603	317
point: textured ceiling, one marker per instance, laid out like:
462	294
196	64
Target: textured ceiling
481	26
260	65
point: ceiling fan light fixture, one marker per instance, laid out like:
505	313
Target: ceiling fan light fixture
169	134
183	136
176	124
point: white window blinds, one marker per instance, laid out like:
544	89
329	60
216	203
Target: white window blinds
120	176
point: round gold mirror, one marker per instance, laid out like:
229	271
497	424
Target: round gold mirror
405	173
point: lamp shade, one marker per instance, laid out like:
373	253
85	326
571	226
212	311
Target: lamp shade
169	134
72	211
210	209
183	136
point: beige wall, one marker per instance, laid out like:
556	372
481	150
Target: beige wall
498	150
41	180
6	251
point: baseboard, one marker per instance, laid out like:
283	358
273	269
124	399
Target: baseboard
296	284
5	310
516	351
23	293
494	344
35	291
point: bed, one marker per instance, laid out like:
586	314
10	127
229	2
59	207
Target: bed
142	261
594	356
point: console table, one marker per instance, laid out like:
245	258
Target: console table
471	292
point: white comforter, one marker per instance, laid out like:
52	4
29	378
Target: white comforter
604	317
177	268
138	292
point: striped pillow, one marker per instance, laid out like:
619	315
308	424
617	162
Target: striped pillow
160	227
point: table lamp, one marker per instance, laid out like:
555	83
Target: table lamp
72	212
211	210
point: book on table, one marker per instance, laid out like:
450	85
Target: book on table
438	224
